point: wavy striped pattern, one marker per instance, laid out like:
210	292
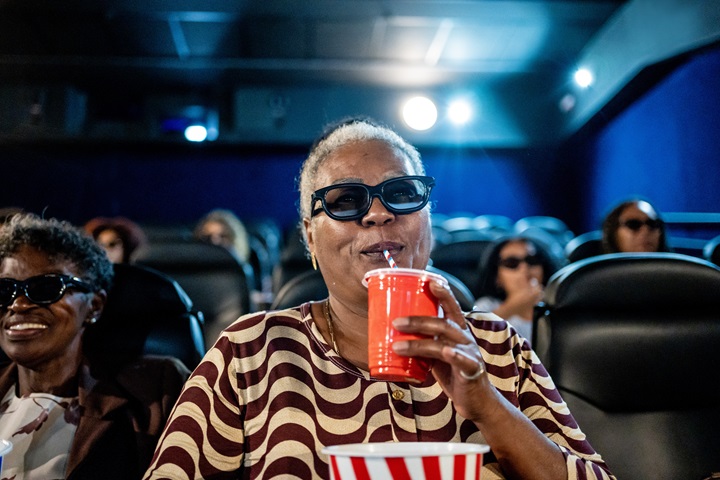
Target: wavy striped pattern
271	394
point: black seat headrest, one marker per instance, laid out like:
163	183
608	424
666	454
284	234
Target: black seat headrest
635	281
146	313
633	332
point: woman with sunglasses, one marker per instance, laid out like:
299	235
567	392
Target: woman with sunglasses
279	386
66	416
634	226
515	271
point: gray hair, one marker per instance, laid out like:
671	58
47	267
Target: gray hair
346	133
60	240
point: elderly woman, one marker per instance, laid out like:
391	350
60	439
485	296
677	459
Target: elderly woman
279	386
634	226
64	414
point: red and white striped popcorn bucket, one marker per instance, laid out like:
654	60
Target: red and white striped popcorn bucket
406	461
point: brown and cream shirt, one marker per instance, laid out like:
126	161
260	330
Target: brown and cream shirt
272	393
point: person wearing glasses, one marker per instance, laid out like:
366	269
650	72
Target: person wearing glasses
515	271
279	386
634	226
65	415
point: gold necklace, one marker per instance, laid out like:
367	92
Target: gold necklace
328	319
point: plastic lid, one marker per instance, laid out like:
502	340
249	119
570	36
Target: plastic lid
382	272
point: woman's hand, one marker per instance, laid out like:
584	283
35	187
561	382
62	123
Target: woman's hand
522	295
458	367
460	370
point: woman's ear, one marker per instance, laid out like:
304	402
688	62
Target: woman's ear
307	225
97	305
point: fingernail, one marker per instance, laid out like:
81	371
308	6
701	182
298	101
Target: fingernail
401	322
400	345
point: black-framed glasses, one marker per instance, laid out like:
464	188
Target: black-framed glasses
635	224
513	263
351	201
41	289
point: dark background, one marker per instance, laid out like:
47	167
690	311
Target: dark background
663	144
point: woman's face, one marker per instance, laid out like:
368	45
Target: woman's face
643	239
32	334
111	242
515	254
346	250
217	234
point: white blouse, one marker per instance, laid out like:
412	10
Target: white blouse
41	428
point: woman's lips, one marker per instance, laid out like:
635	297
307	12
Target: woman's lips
379	248
24	329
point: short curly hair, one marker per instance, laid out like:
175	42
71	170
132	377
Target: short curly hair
61	241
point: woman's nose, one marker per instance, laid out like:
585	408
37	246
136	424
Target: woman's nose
377	214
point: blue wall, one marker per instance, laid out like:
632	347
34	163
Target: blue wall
177	185
665	145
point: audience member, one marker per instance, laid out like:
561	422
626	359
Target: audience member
279	386
118	236
634	226
514	272
224	228
64	414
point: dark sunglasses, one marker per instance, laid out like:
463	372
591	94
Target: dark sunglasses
351	201
634	224
40	290
514	262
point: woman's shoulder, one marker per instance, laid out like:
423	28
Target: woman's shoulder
487	304
489	328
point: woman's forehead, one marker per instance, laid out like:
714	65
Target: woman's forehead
29	261
360	160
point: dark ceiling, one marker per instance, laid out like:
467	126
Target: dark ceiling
275	71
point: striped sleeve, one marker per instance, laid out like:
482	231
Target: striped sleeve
523	380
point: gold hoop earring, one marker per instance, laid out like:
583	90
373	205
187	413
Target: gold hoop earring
313	260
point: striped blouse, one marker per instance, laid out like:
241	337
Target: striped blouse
271	393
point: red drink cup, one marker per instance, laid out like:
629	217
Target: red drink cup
393	293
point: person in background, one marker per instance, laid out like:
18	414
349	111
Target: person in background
66	416
279	386
634	226
222	227
118	236
515	271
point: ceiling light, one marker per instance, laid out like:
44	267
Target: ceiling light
459	112
419	113
196	133
584	77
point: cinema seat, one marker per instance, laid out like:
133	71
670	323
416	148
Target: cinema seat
585	245
711	251
217	282
146	313
631	341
